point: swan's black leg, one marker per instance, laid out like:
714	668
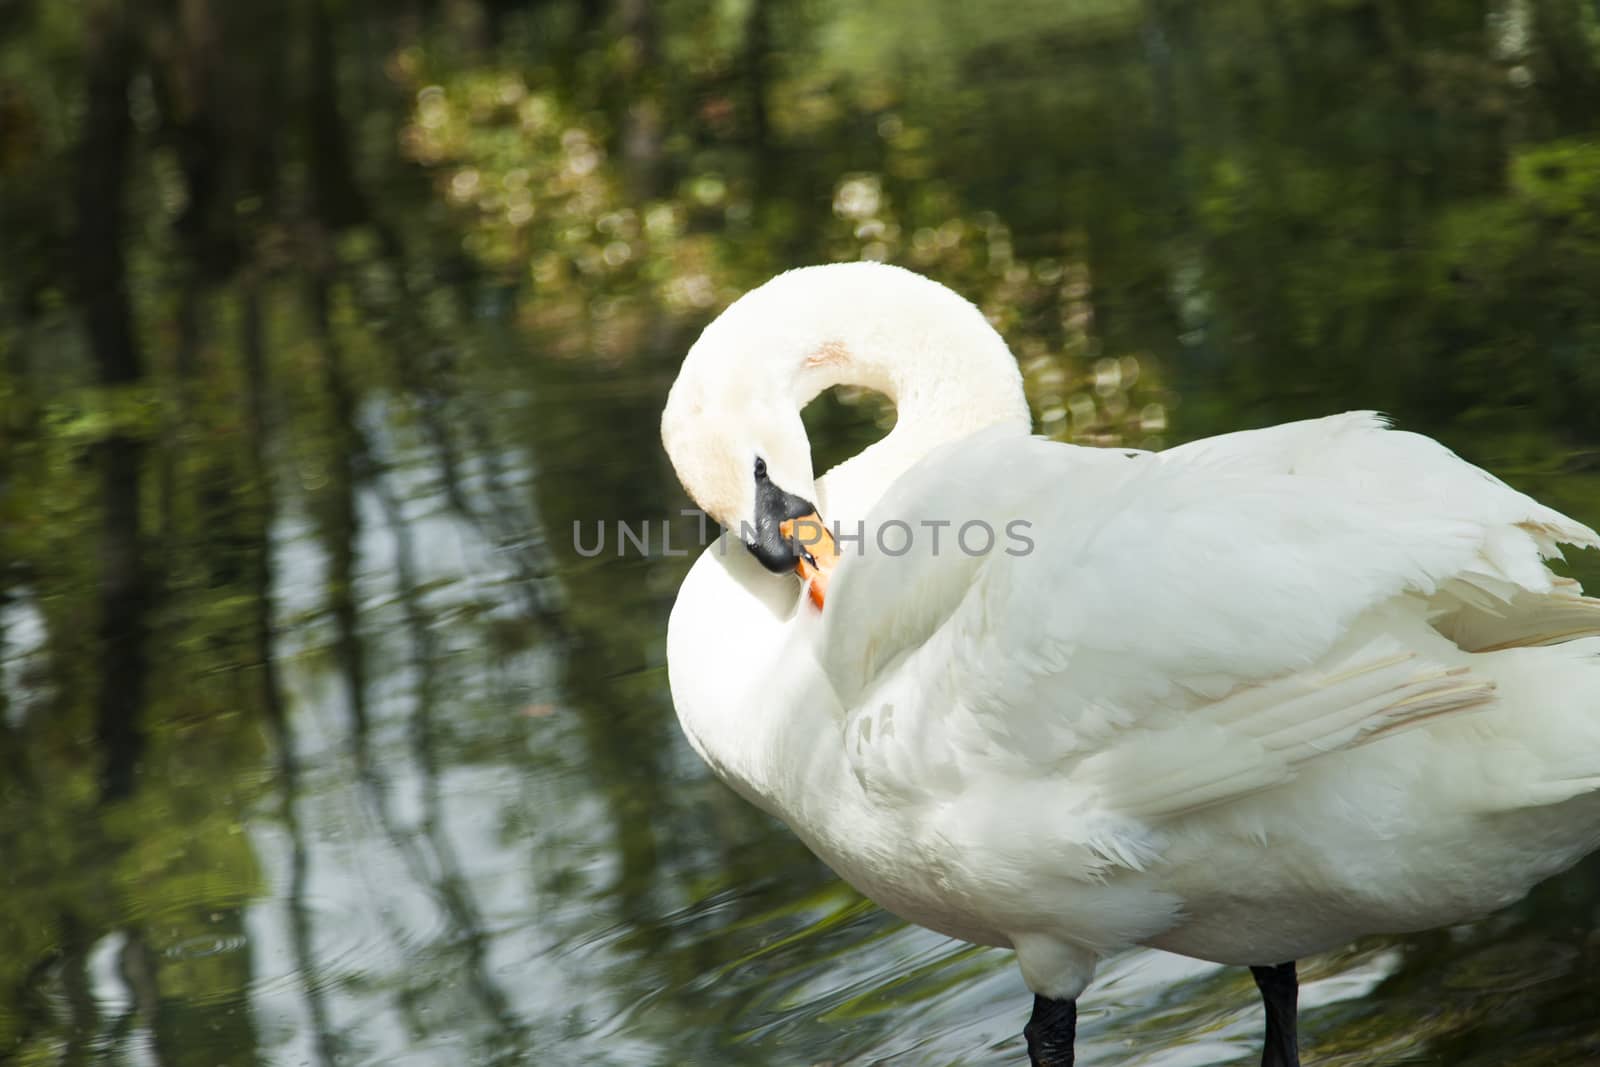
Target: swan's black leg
1050	1032
1279	992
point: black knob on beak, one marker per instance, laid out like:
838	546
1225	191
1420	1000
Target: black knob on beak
774	507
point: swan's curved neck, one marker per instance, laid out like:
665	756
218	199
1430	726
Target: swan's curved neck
948	376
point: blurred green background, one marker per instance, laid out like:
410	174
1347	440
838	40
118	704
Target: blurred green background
323	321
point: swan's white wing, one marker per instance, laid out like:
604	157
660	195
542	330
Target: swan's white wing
1507	597
1188	627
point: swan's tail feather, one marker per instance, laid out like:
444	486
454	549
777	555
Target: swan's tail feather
1527	620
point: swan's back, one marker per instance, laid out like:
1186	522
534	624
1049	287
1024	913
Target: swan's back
1328	648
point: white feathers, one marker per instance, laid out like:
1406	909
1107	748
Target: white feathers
1244	699
1256	737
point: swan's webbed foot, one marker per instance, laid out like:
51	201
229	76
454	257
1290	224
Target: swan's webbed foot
1050	1032
1280	990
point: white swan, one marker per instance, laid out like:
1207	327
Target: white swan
1245	700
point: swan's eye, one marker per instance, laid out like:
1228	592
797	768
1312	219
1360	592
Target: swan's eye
761	468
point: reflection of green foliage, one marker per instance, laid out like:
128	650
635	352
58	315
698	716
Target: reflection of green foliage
538	192
1561	181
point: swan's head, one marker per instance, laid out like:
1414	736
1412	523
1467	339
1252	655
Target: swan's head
732	421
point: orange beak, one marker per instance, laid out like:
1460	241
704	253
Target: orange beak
818	553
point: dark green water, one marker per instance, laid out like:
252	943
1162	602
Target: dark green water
322	322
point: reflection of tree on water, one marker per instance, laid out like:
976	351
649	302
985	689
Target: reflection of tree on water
427	851
273	705
125	587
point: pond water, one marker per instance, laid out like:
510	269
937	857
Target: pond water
326	328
